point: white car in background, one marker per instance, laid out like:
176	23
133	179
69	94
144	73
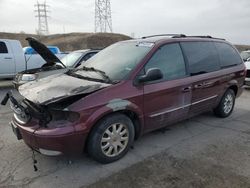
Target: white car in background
245	55
247	79
14	59
53	64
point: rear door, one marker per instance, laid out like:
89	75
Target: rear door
204	66
7	63
167	100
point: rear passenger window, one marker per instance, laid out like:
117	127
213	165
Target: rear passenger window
202	57
3	48
169	60
228	55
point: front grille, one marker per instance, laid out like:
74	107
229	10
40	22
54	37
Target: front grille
248	74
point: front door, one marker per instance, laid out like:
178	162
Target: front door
167	100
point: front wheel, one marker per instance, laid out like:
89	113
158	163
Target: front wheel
226	105
111	139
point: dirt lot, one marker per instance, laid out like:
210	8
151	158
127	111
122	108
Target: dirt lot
201	152
204	160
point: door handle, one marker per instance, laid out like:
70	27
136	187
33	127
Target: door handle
198	86
207	84
187	89
8	58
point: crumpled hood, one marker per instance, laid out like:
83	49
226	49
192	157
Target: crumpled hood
56	87
44	52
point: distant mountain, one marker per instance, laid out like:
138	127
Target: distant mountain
242	47
76	41
71	41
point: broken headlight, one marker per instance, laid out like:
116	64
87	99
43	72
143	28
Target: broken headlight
62	118
20	113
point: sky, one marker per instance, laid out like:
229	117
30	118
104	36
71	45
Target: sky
228	19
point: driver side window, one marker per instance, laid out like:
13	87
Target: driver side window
169	59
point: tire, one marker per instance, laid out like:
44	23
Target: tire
226	105
111	138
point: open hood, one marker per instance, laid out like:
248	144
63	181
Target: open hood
44	52
57	87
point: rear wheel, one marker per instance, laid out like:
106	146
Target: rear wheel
226	105
111	139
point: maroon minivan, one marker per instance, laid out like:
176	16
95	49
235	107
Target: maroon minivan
126	90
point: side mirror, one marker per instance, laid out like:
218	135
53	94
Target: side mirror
151	75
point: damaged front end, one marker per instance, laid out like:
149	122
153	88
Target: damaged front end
47	116
39	126
47	101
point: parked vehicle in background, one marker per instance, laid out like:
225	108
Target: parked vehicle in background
14	59
126	90
245	55
71	60
76	58
29	50
247	79
34	59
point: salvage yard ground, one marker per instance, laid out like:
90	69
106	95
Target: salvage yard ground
201	152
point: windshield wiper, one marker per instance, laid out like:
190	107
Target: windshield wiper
72	73
103	74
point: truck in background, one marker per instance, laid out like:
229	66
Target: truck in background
14	59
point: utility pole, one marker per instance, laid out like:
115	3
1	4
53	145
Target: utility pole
42	14
103	20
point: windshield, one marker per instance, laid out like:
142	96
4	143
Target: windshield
70	59
245	55
119	59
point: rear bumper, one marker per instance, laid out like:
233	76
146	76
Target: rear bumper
53	142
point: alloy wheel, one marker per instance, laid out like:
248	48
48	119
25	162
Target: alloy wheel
114	139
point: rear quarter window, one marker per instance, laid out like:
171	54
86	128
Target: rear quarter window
228	55
202	57
3	48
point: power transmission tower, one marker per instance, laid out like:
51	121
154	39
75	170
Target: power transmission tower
103	20
42	14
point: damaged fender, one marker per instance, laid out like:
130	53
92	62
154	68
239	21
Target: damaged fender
114	105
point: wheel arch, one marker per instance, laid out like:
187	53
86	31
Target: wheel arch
234	87
132	114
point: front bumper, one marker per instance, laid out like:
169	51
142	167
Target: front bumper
56	141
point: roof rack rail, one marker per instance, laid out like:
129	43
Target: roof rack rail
182	36
167	35
203	36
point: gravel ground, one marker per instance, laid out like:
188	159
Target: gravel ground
204	151
206	160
